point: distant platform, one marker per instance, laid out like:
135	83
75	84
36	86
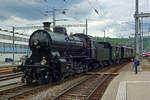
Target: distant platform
10	64
130	86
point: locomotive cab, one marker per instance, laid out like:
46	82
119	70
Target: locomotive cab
60	30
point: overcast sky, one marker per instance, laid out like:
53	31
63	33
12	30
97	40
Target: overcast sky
113	16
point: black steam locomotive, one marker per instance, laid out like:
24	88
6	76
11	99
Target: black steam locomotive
55	55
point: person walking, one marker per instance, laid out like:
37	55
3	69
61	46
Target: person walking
136	64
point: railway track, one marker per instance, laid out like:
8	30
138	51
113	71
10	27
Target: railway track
5	77
22	91
6	70
7	74
91	88
15	92
85	89
80	90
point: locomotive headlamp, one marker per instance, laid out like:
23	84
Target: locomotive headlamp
43	62
35	42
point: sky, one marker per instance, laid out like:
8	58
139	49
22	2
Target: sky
115	17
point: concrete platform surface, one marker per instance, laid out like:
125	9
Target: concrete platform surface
129	86
138	91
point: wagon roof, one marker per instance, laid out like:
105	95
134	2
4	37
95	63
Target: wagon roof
104	43
127	47
82	35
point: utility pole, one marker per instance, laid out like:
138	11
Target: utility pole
137	35
104	36
54	13
142	33
13	44
140	38
86	25
83	31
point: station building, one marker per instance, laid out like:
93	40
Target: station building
6	45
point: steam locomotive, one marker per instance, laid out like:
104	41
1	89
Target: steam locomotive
55	55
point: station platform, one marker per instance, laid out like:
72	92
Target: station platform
130	86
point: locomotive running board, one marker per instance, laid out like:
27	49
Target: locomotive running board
101	73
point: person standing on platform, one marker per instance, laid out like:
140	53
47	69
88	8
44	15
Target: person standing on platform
136	64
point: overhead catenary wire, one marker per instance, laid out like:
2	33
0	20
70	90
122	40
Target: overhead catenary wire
95	9
147	2
75	18
31	6
73	6
39	11
100	8
50	9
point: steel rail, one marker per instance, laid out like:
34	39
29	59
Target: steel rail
75	85
10	76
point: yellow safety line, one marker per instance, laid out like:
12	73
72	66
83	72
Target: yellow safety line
102	73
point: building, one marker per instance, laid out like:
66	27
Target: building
6	45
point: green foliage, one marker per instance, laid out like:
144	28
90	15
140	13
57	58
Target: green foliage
125	42
117	41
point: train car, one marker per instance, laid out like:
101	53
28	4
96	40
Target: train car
116	54
103	53
108	53
127	53
55	55
132	53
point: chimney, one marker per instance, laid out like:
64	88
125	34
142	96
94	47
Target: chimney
47	26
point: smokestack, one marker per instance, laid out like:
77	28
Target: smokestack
47	26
